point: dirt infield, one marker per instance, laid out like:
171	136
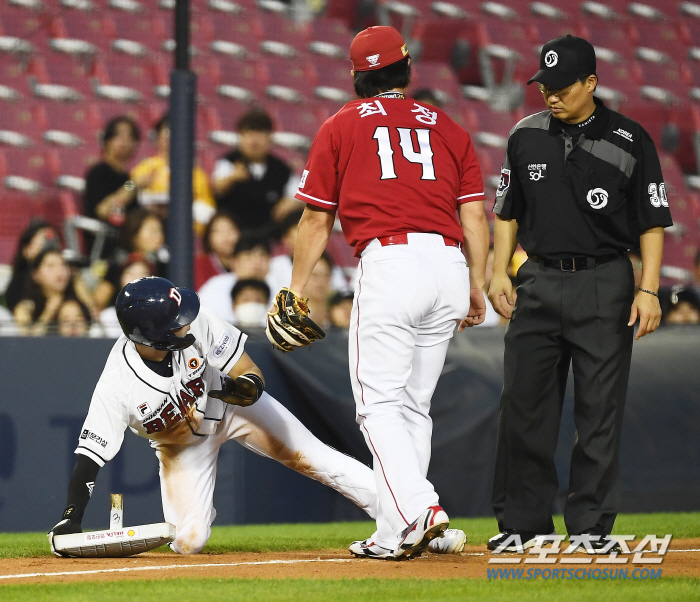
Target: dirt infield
326	564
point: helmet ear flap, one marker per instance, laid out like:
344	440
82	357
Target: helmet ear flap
176	343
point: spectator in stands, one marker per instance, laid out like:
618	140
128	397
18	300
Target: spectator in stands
684	307
219	241
157	194
340	309
38	237
251	259
318	289
51	284
73	319
142	233
427	96
281	265
135	267
251	184
250	299
109	191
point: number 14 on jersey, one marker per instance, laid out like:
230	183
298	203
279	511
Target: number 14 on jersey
424	156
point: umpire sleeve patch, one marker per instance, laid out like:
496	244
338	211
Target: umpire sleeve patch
504	182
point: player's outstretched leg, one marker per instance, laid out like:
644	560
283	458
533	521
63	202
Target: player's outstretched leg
269	429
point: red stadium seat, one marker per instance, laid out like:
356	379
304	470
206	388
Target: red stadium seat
28	169
439	78
89	27
139	27
451	41
611	35
236	77
304	119
226	112
13	78
74	164
289	79
20	118
245	31
330	36
136	74
334	78
29	25
279	31
664	36
61	70
69	124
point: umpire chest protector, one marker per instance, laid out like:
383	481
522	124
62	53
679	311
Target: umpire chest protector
588	193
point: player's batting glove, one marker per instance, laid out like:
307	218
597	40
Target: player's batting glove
64	527
288	323
243	391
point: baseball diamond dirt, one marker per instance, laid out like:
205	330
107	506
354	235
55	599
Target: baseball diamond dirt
681	560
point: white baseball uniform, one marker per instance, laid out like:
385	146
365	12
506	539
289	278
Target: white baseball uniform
396	171
186	428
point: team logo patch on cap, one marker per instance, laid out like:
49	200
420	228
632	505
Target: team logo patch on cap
373	60
597	198
551	58
504	182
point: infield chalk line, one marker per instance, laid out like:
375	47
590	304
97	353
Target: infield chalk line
171	566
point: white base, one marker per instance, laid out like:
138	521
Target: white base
115	543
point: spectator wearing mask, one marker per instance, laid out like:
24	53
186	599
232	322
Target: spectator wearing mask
281	265
219	241
251	259
250	299
109	191
51	284
39	236
135	267
251	184
157	194
142	233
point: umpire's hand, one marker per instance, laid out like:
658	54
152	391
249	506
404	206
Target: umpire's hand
502	295
645	307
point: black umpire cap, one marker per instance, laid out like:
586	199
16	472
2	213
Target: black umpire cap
563	61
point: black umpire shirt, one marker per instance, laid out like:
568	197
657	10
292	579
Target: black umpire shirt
591	195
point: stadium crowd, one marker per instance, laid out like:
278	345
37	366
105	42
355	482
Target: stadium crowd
245	221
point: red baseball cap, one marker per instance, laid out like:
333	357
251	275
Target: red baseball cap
377	47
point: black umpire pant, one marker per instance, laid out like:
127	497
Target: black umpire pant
562	318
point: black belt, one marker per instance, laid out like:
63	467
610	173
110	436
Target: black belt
575	264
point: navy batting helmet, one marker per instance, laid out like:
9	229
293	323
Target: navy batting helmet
149	309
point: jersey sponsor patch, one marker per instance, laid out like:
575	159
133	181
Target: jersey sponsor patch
537	171
144	409
193	363
90	436
223	344
304	175
504	182
597	198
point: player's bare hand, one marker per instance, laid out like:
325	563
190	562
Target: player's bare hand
145	180
240	172
502	295
645	307
477	310
239	392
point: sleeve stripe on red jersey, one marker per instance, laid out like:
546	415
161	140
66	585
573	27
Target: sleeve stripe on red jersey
468	196
313	198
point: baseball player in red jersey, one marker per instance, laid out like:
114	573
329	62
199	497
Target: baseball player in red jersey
406	184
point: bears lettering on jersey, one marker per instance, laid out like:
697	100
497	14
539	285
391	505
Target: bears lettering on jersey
169	415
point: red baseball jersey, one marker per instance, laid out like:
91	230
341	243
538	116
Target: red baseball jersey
392	166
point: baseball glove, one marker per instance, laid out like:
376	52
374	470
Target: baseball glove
243	391
288	323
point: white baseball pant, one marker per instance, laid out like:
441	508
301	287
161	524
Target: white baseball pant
408	300
188	472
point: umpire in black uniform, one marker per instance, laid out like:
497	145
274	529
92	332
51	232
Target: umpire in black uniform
580	186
